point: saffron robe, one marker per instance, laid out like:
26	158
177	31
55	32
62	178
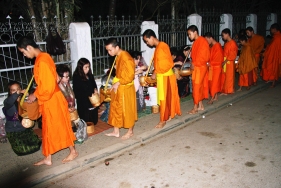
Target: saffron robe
228	74
271	67
57	133
246	65
200	55
257	43
167	89
216	59
123	108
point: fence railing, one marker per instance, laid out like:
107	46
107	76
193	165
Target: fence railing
127	30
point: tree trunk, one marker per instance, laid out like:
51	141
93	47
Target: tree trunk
112	7
33	20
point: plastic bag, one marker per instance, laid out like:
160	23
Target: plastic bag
55	45
3	137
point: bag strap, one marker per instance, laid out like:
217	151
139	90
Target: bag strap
26	91
149	66
106	83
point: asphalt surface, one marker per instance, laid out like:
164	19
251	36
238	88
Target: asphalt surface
19	171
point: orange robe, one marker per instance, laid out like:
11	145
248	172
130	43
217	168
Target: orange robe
216	59
228	74
56	127
271	67
167	89
246	65
257	43
123	109
200	55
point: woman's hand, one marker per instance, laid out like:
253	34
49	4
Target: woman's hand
71	109
31	98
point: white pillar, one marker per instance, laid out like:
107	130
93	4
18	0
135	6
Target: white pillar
80	45
251	21
225	22
148	52
271	19
194	19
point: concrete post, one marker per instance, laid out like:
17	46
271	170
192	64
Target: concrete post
271	19
194	19
80	45
147	52
251	21
225	22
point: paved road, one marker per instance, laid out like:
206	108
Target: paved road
239	146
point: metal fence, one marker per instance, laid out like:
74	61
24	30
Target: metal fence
127	31
13	65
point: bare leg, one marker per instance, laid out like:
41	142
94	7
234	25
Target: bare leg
46	161
200	106
240	89
114	133
128	135
194	110
72	155
273	84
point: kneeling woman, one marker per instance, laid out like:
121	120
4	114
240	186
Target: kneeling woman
23	141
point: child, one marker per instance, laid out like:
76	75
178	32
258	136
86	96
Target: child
63	72
84	85
140	68
23	141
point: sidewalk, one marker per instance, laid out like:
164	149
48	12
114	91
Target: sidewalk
19	171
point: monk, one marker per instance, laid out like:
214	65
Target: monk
271	67
228	73
57	133
257	43
215	67
167	89
123	109
246	64
200	55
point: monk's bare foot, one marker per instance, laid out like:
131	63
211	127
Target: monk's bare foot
210	101
248	88
160	125
240	89
201	109
70	157
223	94
43	162
255	83
112	134
127	136
193	111
272	86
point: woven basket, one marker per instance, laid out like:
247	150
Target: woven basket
90	128
74	115
155	109
95	99
27	123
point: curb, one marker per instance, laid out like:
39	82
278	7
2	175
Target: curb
178	123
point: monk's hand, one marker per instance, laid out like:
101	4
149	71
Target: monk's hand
223	63
115	87
31	98
153	76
